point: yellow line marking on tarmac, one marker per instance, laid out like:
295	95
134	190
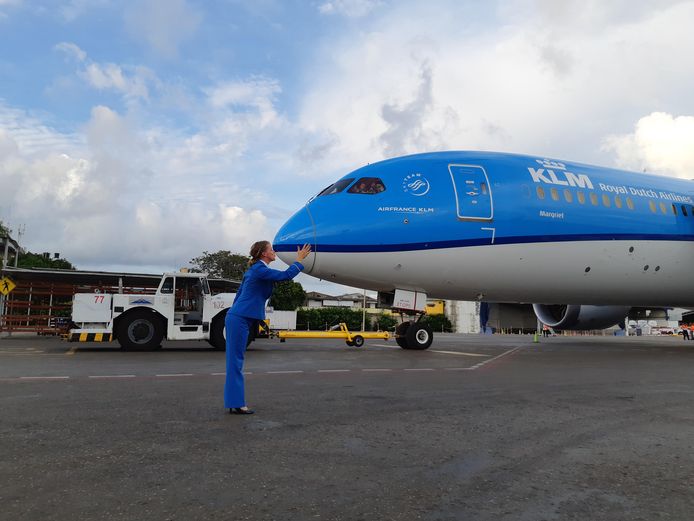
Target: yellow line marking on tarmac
72	350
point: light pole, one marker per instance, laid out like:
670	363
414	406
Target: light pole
363	313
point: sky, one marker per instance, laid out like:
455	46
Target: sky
136	134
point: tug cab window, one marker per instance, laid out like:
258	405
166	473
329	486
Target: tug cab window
368	185
336	187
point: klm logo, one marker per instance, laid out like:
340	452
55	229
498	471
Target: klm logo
554	173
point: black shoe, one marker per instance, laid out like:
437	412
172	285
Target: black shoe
239	410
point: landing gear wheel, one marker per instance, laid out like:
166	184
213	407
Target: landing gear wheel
401	334
419	336
218	338
358	341
140	331
350	344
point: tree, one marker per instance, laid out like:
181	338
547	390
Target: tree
4	232
287	296
222	264
35	260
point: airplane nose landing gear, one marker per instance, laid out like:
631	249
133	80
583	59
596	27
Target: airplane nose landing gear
413	335
410	334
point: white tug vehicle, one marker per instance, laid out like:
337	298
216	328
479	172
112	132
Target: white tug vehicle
181	309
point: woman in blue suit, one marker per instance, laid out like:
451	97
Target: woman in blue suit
247	309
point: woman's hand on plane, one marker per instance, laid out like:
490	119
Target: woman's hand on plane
302	253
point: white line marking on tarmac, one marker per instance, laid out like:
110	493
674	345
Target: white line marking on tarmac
458	369
177	374
505	353
417	369
459	353
113	376
333	370
44	377
283	372
220	374
376	370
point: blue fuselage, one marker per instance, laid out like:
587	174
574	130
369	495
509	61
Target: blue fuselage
449	203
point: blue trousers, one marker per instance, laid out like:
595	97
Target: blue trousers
237	329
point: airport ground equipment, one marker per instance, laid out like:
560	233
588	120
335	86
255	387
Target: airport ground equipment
352	338
182	308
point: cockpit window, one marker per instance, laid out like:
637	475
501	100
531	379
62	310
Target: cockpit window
337	187
367	185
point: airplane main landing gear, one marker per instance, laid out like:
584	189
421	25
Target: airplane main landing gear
414	335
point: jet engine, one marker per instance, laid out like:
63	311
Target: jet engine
577	317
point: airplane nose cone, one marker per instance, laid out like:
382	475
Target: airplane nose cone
296	232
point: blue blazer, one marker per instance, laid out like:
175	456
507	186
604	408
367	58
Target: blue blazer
256	287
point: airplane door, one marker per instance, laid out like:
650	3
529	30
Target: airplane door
473	193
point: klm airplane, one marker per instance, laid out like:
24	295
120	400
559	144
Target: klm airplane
583	243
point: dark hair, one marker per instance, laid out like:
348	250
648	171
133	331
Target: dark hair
257	251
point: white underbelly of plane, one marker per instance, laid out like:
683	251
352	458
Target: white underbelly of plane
635	273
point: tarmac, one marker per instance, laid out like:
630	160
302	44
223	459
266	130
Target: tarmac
477	427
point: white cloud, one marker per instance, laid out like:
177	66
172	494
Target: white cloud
111	76
349	8
163	24
76	8
540	80
660	144
71	50
131	82
114	200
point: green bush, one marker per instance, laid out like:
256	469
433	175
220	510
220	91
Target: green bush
383	322
438	323
319	318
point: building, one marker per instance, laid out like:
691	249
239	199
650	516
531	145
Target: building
315	299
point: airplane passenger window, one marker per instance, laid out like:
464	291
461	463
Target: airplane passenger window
581	197
617	201
540	192
663	208
367	185
651	205
593	199
568	195
684	210
337	187
555	194
630	203
606	200
674	209
483	187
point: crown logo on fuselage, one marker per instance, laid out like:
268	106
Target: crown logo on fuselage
548	163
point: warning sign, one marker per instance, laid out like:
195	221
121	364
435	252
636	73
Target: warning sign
6	285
